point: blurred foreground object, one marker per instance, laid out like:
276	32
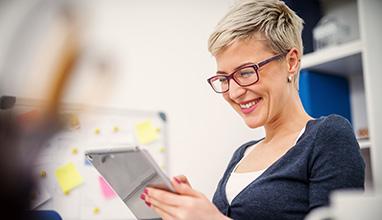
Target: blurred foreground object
21	138
350	205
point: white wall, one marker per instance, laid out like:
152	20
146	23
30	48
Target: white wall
159	49
164	64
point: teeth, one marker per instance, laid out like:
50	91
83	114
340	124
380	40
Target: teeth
250	104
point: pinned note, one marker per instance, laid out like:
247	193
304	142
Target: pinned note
146	132
68	177
97	131
106	189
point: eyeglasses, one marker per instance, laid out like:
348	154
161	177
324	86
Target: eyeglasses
244	76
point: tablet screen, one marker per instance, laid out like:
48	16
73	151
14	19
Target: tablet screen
128	172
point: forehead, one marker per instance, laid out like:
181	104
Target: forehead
241	52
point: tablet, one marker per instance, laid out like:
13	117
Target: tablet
129	171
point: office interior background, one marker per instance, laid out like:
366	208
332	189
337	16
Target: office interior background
142	66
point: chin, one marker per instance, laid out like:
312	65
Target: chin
253	122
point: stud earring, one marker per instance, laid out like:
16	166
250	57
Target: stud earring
289	79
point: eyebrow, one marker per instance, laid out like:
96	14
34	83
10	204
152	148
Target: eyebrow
242	65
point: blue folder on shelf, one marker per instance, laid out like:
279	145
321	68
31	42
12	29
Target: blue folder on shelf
324	94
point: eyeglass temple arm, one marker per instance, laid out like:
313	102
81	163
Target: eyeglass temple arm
262	63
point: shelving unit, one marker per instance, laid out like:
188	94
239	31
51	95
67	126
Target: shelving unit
344	60
341	59
360	61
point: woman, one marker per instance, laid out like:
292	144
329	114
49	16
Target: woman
257	47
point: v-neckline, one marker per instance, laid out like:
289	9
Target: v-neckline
266	171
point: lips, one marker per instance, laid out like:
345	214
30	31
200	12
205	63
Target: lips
249	106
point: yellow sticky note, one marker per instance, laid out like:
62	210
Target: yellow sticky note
146	132
162	149
97	131
115	129
68	177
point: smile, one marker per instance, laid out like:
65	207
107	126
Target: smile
248	107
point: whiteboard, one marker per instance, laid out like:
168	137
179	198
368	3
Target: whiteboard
92	128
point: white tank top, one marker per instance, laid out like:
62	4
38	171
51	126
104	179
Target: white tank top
238	181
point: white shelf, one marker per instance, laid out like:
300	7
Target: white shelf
343	59
364	143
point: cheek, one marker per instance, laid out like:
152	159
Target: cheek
227	98
277	97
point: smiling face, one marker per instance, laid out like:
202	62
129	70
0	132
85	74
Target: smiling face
263	102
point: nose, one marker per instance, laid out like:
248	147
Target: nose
235	90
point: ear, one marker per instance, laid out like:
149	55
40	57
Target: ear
293	61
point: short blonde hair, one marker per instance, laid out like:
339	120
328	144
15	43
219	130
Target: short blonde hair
281	26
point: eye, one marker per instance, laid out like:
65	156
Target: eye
219	79
222	79
247	72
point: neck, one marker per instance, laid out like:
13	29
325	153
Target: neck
289	121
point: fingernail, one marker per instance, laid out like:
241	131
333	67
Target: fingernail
146	191
148	204
142	196
177	180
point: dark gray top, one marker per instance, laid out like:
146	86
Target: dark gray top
326	157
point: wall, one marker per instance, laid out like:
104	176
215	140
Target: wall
164	65
160	57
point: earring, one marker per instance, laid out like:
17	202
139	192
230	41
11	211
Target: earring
289	79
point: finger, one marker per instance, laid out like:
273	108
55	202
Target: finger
183	179
163	196
162	207
184	189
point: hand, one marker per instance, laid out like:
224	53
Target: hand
183	179
188	204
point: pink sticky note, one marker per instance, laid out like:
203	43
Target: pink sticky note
106	189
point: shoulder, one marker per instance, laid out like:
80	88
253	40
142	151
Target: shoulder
334	127
335	122
335	139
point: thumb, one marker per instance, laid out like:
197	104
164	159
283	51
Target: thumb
183	188
183	179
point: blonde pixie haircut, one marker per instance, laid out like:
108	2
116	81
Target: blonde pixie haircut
281	27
